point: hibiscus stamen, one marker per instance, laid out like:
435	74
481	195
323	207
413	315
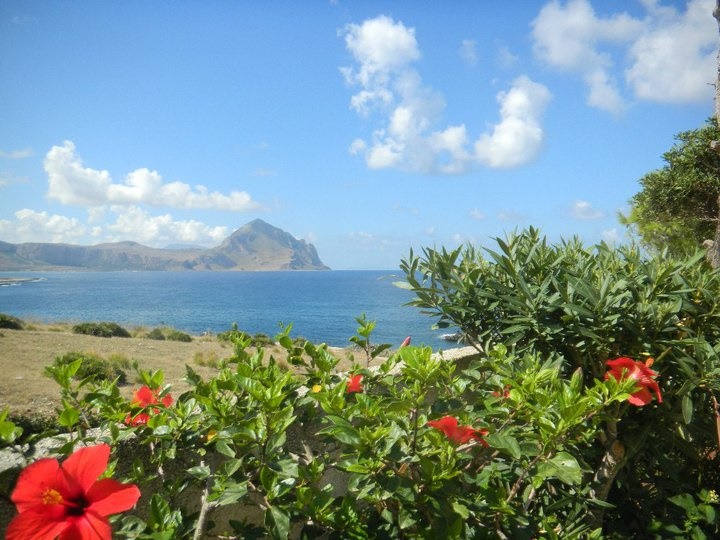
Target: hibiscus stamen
51	496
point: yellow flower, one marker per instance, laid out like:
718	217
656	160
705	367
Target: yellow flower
316	388
211	435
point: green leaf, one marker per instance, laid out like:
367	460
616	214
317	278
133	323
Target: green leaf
505	443
687	408
461	510
684	501
222	447
562	466
69	417
231	494
200	472
278	521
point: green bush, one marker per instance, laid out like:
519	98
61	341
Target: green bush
91	366
176	335
586	306
258	340
156	333
163	333
101	329
10	322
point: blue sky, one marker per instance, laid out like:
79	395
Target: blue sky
365	128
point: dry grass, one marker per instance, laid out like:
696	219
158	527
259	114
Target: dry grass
25	353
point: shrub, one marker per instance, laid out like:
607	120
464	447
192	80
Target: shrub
162	333
586	306
10	322
176	335
101	329
156	333
259	340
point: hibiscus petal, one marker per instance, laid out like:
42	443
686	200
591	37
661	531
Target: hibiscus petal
108	496
144	397
86	465
640	398
34	525
89	526
33	481
621	363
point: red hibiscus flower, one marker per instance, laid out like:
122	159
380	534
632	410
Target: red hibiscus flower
68	501
144	397
626	368
354	384
458	434
405	342
505	392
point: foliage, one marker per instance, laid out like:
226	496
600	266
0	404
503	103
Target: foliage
177	335
677	207
312	458
90	366
234	334
10	322
588	305
156	333
101	329
557	428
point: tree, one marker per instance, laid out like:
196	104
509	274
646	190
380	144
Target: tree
678	206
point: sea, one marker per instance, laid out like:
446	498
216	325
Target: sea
321	306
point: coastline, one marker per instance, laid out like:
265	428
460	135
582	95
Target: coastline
15	280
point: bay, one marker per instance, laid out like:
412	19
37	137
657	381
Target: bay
321	306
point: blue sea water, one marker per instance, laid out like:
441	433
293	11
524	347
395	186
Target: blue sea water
322	306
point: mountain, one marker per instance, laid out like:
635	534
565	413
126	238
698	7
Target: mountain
255	246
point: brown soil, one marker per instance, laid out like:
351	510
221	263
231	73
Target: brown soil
25	390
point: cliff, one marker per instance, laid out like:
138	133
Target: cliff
255	246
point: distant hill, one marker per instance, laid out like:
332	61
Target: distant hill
255	246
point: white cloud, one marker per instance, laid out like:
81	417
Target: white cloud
674	59
16	154
516	140
510	215
125	223
69	182
468	52
381	47
32	226
477	214
585	211
505	57
136	224
361	236
410	138
671	54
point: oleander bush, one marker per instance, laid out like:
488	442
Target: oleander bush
101	329
586	305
